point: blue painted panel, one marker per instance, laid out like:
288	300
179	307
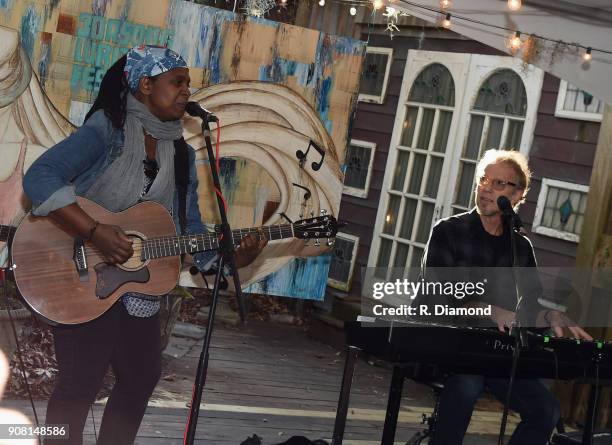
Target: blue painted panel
304	278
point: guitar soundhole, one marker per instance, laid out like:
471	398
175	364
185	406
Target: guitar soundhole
135	262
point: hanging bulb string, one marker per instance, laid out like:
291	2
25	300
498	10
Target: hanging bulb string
587	55
504	28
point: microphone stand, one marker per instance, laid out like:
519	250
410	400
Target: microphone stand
513	223
226	256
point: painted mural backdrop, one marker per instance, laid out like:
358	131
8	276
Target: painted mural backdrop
276	88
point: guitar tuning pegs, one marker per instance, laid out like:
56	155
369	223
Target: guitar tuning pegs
317	243
323	212
330	242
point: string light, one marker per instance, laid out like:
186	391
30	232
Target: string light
515	41
283	2
514	5
446	23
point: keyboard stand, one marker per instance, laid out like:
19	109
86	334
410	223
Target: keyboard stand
393	403
345	392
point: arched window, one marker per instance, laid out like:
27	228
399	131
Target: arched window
433	86
496	121
417	172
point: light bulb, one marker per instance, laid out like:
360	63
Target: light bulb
378	4
514	5
321	2
515	41
445	4
447	21
353	10
587	56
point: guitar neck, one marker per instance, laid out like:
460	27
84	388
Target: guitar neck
177	245
6	232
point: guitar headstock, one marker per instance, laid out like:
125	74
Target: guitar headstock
324	226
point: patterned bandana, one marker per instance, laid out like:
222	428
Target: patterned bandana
149	61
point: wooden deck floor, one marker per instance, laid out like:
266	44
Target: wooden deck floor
274	381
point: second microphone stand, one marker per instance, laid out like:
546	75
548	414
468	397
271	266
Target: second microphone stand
226	256
512	224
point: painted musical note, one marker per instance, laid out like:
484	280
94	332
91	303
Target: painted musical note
308	194
302	156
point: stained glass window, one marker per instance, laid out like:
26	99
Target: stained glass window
574	103
358	161
504	93
375	74
560	210
433	86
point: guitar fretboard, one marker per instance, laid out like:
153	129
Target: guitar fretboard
6	232
180	244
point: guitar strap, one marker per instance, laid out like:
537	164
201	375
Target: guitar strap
181	179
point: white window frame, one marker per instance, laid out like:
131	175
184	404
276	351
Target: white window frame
354	191
370	97
539	213
340	285
416	62
567	114
480	68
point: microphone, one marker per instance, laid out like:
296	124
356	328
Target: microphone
194	109
508	212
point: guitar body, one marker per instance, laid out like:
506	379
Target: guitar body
69	283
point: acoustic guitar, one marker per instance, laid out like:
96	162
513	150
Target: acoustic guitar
67	280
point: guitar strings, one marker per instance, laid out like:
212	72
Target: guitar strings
164	243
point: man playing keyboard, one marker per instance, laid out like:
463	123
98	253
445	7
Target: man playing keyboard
479	239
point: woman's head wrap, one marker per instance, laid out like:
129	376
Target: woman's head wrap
149	61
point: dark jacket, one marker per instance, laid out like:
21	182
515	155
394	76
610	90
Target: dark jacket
461	250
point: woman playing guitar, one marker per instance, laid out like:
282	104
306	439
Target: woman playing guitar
130	149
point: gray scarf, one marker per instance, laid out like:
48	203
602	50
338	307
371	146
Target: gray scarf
122	183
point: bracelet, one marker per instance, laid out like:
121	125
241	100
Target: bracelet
92	230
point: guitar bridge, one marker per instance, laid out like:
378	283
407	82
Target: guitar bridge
80	259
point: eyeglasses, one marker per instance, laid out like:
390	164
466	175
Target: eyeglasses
497	184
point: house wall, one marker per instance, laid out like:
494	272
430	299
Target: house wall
562	149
